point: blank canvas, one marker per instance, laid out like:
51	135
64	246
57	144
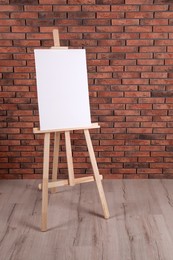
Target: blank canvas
62	87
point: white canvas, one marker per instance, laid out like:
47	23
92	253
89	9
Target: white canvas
62	88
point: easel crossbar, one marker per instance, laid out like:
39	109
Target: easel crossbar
66	182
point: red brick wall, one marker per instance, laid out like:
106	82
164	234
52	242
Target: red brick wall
130	63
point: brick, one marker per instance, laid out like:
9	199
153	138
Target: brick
108	81
110	15
109	68
38	8
110	2
153	49
12	36
150	62
24	2
139	15
165	15
96	22
138	29
137	154
139	56
5	42
153	75
136	2
126	112
151	88
110	56
3	2
4	15
163	130
110	42
136	165
170	48
125	8
139	118
10	8
124	171
24	15
113	130
139	130
126	75
111	106
98	62
170	36
52	2
81	15
52	15
85	43
82	29
154	35
161	81
24	29
125	22
139	106
154	112
151	100
109	28
165	42
154	8
161	165
125	35
96	8
122	62
45	22
135	81
12	63
140	42
168	62
112	118
101	75
66	8
127	124
124	49
14	22
21	171
161	28
4	29
154	22
163	55
138	68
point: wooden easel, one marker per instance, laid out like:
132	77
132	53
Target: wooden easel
71	179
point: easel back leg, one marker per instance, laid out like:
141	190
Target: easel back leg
55	159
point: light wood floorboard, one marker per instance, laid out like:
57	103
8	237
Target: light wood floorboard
140	226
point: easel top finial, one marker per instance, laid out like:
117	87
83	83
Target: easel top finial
56	38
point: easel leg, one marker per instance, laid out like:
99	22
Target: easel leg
96	173
55	158
45	182
69	158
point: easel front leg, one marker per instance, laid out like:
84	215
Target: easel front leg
69	158
45	181
55	158
96	173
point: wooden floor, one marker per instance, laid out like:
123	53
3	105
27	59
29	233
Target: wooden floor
140	226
